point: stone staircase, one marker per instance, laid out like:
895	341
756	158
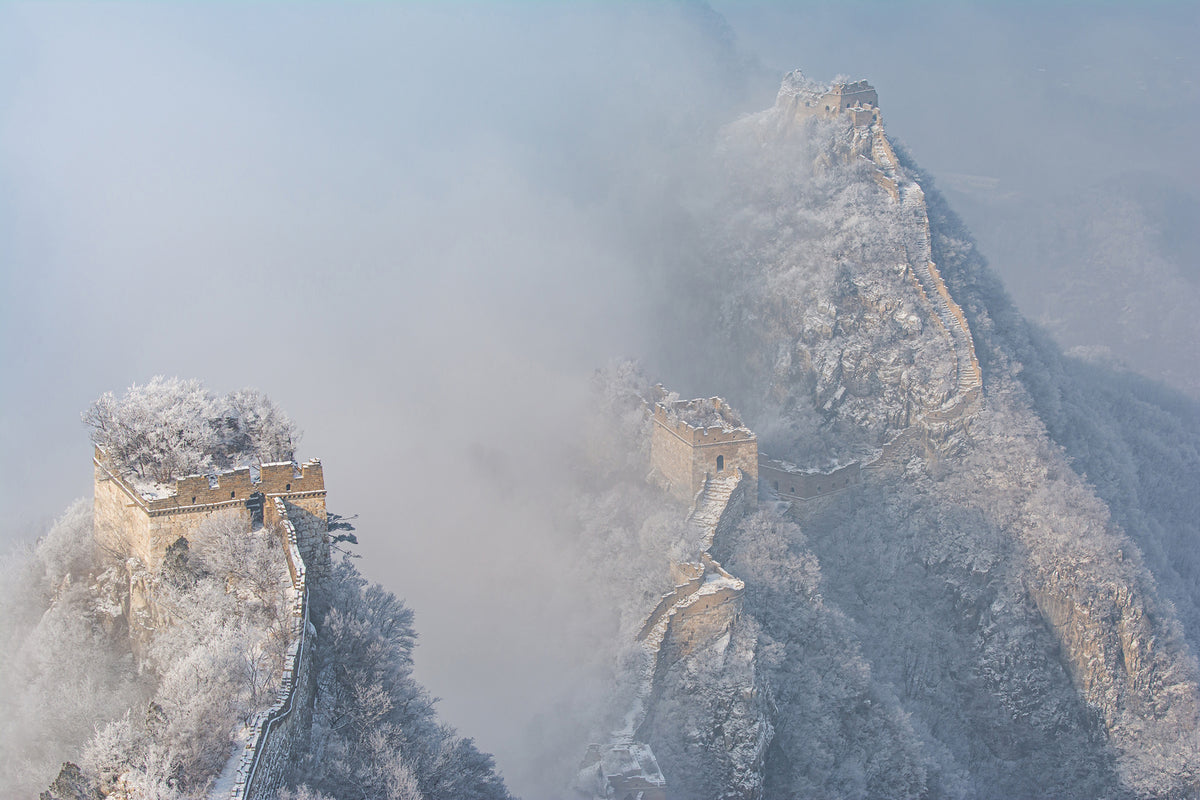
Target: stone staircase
947	313
710	504
918	247
897	452
709	579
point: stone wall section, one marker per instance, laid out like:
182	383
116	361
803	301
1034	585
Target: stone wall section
276	731
307	515
293	501
790	483
856	101
120	525
924	273
128	524
281	478
681	592
671	457
857	104
706	598
722	502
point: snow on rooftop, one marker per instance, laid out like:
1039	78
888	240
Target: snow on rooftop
715	581
158	490
150	490
705	412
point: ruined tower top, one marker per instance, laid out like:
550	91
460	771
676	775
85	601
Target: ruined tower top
803	98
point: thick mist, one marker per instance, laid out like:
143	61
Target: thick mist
420	229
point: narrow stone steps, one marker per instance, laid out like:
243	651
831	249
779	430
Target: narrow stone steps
710	504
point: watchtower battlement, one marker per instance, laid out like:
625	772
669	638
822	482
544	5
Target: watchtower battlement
802	98
688	419
279	479
144	521
842	96
693	439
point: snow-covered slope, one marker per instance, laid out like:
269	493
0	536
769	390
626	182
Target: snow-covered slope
1012	611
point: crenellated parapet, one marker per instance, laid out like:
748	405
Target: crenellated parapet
130	521
800	98
280	479
701	436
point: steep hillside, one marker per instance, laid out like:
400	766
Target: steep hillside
176	645
1007	608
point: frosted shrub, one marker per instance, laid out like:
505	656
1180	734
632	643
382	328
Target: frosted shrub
171	427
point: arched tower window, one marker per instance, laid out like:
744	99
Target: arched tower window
720	463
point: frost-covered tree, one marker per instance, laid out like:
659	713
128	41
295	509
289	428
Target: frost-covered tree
374	731
64	662
262	429
171	427
157	430
158	724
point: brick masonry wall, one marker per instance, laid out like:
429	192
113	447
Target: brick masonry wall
804	486
127	524
120	526
739	453
281	728
308	516
238	485
672	457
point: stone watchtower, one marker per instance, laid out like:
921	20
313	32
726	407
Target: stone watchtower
801	99
697	439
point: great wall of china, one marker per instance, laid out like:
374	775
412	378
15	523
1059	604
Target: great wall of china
857	104
700	451
283	497
264	759
705	462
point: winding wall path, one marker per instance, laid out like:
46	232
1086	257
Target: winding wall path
708	584
947	314
264	760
